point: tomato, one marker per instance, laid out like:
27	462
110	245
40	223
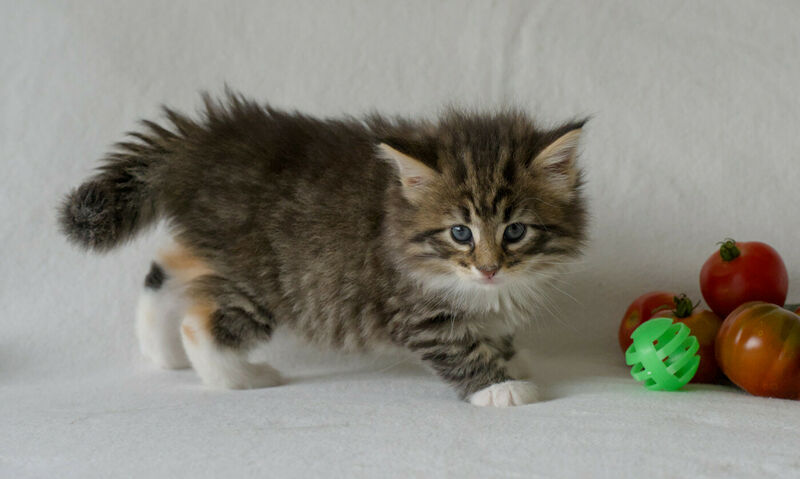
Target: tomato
743	272
704	325
758	348
640	311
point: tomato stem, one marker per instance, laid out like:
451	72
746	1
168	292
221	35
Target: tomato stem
683	306
728	250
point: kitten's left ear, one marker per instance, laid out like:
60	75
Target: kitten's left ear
414	174
557	160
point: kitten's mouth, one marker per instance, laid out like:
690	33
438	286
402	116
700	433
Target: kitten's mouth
490	281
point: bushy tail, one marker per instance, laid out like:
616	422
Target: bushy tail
122	198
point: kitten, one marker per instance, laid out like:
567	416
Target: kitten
432	236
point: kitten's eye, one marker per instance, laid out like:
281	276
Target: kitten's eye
514	232
461	233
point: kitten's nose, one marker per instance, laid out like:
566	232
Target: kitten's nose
488	272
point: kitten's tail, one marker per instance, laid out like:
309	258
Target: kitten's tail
122	198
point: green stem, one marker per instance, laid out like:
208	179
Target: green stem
728	250
683	306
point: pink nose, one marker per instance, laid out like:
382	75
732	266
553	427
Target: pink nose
488	272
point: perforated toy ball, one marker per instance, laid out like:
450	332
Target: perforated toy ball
663	355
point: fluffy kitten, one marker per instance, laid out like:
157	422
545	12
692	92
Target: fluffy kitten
432	236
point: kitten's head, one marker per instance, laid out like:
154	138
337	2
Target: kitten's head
487	205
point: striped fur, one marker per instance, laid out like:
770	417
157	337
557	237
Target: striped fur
341	231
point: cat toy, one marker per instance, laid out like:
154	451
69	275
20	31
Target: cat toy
663	355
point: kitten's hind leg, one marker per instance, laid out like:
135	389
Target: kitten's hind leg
219	330
161	306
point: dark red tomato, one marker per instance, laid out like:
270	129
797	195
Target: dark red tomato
758	348
704	325
640	311
743	272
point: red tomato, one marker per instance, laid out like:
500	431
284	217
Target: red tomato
758	348
704	325
743	272
640	311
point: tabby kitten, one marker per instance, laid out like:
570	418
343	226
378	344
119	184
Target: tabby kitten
433	236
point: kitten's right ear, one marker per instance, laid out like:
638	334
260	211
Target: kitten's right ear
414	174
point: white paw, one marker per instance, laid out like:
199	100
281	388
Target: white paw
509	393
157	327
241	376
221	367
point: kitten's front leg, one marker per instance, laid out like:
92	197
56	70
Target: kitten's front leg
475	367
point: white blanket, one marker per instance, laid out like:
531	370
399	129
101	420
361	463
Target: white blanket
694	137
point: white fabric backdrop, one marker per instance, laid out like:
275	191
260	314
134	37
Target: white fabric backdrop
694	138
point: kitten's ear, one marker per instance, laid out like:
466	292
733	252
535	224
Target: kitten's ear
557	160
414	174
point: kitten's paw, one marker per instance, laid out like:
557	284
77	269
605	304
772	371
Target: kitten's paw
509	393
242	376
219	366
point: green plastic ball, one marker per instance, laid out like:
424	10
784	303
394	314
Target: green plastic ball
663	355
